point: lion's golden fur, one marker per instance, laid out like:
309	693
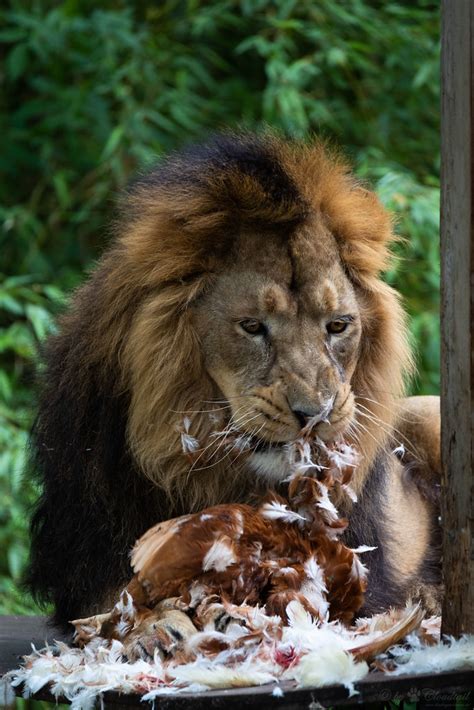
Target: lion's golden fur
131	327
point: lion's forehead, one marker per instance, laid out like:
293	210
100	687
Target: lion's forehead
281	276
299	255
253	293
324	296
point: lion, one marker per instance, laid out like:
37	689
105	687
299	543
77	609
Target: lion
241	293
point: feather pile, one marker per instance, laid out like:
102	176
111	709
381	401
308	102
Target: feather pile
256	649
239	596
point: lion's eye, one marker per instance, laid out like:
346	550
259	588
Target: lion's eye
252	326
337	326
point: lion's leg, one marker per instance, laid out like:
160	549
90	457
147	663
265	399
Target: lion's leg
418	430
417	436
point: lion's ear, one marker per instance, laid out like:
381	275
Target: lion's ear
364	232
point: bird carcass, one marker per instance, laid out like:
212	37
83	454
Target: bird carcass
232	574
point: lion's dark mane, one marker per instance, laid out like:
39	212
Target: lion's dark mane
95	502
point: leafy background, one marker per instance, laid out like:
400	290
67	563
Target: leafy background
94	92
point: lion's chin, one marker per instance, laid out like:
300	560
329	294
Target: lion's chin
271	463
270	460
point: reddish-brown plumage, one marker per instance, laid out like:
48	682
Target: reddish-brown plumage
226	560
281	551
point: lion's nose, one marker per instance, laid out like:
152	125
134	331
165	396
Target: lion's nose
317	414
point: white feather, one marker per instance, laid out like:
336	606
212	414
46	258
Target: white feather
399	450
327	666
325	503
197	593
314	587
350	492
299	618
315	573
358	570
189	443
218	557
214	675
287	570
453	654
279	511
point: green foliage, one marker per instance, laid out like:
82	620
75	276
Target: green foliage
25	319
92	93
417	273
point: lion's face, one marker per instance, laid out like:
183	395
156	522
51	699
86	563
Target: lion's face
280	332
245	296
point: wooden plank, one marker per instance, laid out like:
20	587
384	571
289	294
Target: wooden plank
453	689
442	690
457	309
17	633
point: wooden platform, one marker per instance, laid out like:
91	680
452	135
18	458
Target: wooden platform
443	690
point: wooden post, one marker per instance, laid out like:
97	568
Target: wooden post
457	311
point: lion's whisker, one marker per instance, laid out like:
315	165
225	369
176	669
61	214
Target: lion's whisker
351	430
198	411
233	424
216	463
383	425
369	433
219	438
386	431
384	406
214	440
227	399
248	453
254	434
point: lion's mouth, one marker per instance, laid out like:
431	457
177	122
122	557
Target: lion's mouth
261	446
